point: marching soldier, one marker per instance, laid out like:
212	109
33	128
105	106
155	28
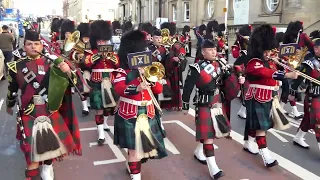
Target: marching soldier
199	33
138	129
208	76
311	116
263	76
185	39
159	52
175	63
148	28
102	61
48	128
76	56
67	28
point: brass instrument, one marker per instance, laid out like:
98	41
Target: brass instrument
71	41
276	60
295	60
166	40
153	73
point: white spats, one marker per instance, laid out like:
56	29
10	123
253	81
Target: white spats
268	160
199	155
105	123
88	103
72	90
135	176
282	104
242	112
295	113
212	166
319	145
47	172
85	105
299	139
251	146
101	132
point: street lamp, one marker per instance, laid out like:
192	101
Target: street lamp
160	8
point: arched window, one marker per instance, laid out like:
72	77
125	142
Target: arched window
210	8
271	5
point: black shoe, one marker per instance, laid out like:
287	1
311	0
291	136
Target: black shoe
85	113
275	163
218	175
101	142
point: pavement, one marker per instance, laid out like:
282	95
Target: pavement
108	162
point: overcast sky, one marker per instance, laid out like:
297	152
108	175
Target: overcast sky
34	7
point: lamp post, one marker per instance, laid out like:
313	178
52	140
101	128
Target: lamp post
160	8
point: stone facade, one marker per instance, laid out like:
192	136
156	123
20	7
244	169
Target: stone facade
276	12
8	3
85	10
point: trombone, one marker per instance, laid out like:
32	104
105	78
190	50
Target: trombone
152	73
277	61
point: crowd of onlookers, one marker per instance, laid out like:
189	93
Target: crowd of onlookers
8	43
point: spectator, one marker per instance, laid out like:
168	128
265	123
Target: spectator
6	41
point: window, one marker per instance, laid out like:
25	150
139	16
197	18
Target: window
174	12
272	5
186	11
210	8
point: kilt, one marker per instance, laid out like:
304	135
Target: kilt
95	94
258	115
204	124
68	137
124	132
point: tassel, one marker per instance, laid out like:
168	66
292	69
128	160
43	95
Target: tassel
146	144
222	124
45	142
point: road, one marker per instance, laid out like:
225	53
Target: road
108	162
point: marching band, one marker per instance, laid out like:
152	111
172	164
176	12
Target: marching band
134	75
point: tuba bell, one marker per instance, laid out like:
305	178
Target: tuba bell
166	41
154	72
71	41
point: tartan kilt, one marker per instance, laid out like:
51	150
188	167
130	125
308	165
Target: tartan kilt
68	137
204	124
258	115
314	112
95	94
124	132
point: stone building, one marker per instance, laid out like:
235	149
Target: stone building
7	3
85	10
196	12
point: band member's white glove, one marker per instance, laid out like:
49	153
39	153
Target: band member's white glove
52	56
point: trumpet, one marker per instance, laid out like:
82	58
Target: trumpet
152	73
277	61
72	41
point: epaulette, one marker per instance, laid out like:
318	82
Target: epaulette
196	66
309	63
13	64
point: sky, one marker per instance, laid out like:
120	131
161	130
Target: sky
39	7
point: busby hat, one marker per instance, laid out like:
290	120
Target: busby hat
290	36
131	42
84	29
245	30
147	27
32	35
212	26
116	25
315	34
222	27
55	25
171	26
262	39
99	30
68	26
127	26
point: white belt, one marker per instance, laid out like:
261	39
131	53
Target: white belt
273	88
134	102
102	70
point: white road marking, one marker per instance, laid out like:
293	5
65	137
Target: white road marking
278	135
1	103
283	162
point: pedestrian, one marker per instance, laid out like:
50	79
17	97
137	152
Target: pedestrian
6	42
